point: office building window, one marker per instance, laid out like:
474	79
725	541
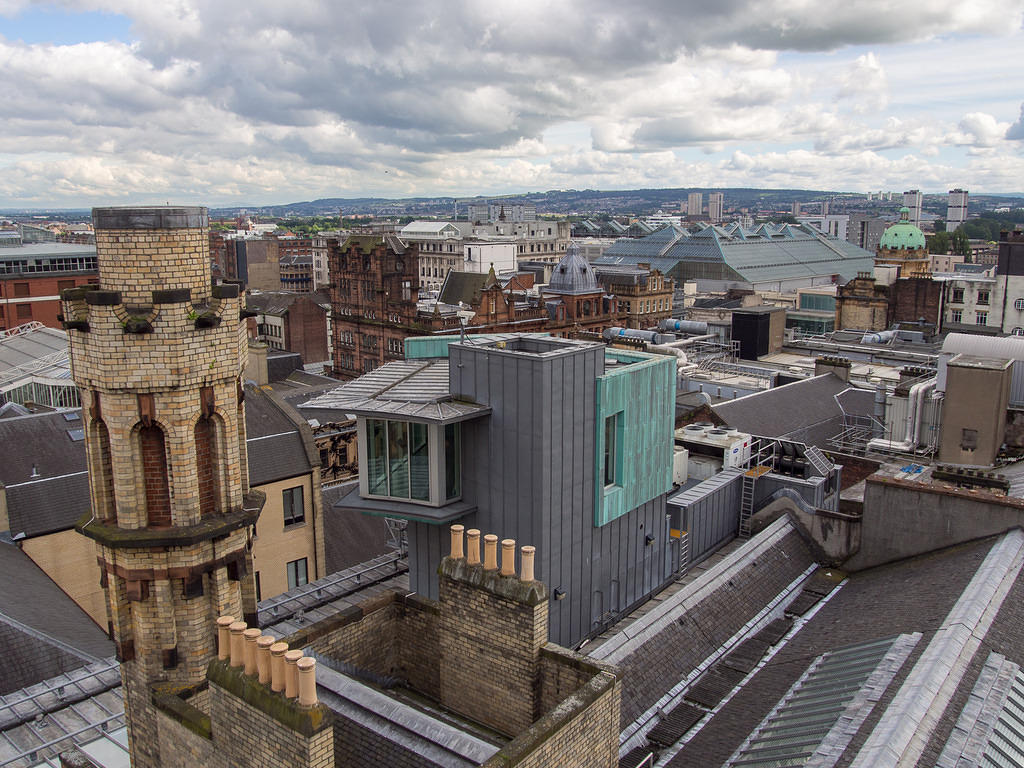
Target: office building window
1018	304
297	573
958	296
980	318
956	316
983	297
294	511
24	311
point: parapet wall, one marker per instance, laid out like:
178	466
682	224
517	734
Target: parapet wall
480	652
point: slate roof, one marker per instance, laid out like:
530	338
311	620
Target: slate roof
350	537
59	493
279	302
921	594
573	274
807	411
42	631
277	446
462	287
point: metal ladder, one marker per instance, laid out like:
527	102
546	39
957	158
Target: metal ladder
747	502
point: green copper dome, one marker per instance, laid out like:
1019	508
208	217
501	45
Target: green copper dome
903	235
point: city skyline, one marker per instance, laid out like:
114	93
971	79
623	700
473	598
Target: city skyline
112	101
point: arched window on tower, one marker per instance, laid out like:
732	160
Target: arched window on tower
207	466
102	471
154	474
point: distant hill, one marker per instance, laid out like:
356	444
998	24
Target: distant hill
584	202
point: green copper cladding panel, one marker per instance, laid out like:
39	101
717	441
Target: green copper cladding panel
636	409
421	347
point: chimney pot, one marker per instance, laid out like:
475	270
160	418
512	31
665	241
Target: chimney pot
291	676
457	541
307	681
251	636
238	644
263	645
490	552
277	652
527	566
473	546
508	557
224	637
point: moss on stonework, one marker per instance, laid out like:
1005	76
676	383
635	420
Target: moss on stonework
566	657
172	701
307	721
509	587
349	615
209	528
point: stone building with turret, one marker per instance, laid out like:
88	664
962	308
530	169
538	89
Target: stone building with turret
903	246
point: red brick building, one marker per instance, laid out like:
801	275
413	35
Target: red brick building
374	287
295	322
32	277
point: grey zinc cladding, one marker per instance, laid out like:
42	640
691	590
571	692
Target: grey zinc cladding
529	470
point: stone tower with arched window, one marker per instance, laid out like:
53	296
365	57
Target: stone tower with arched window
158	355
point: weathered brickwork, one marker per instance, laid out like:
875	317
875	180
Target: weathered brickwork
491	631
251	738
367	639
580	732
355	745
181	746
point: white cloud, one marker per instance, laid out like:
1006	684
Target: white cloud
270	101
865	84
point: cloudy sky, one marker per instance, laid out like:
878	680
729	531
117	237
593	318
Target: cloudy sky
263	101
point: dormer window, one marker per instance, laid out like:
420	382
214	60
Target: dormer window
412	461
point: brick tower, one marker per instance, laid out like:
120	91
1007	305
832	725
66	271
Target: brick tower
158	355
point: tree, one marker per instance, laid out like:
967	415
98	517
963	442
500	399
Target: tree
939	242
960	243
940	226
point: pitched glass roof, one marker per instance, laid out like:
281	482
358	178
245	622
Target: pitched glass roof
767	253
820	714
990	730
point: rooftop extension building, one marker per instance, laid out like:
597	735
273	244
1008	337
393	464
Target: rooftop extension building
561	442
